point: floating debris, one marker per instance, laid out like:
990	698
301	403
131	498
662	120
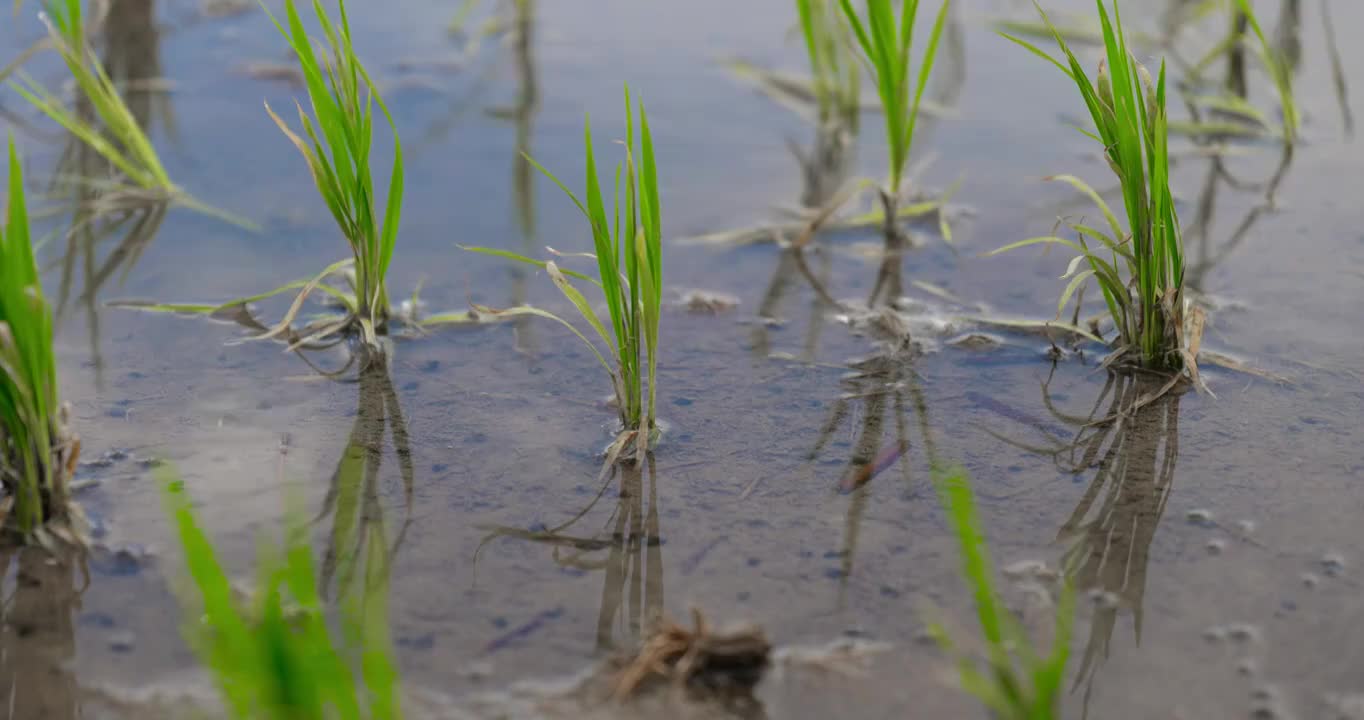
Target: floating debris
1199	517
844	656
1208	357
1333	564
697	657
122	641
1243	633
976	342
706	302
286	73
1215	635
1030	570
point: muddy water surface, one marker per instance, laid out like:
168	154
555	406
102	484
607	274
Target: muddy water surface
1217	539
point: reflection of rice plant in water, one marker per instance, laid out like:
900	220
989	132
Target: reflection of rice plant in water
879	390
886	42
628	550
43	592
1130	442
273	655
359	548
38	451
1019	682
629	274
1140	269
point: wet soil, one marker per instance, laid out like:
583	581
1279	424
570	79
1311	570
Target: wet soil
1217	539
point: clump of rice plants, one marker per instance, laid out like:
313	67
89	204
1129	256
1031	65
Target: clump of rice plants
1275	63
343	98
886	42
272	654
1018	682
1244	118
1139	268
38	450
336	142
628	253
139	178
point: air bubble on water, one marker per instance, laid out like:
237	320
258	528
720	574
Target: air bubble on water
1245	526
1215	634
1216	546
1310	580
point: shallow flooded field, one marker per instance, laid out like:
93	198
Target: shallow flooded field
1214	538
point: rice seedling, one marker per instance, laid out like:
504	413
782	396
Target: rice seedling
1276	63
138	177
38	450
1139	269
837	81
1019	682
886	42
629	275
336	143
129	41
342	97
273	655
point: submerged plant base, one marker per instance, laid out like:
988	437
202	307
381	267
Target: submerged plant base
63	523
343	322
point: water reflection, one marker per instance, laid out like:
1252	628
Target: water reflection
521	113
627	551
824	172
128	38
1129	441
37	632
1204	252
881	390
358	544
